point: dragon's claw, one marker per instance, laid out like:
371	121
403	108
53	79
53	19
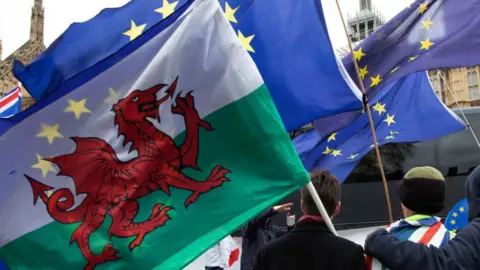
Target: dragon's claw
216	178
186	106
108	254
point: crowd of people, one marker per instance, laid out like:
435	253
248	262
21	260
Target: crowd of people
418	241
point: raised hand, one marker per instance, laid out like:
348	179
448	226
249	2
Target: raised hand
283	208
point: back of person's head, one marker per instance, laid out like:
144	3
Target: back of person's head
422	191
472	191
328	189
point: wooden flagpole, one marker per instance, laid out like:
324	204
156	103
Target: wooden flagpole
370	119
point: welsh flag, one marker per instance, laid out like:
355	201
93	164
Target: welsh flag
148	158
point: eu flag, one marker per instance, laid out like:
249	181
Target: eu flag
404	111
458	216
85	44
289	42
426	35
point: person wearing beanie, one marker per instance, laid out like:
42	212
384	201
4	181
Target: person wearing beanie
422	196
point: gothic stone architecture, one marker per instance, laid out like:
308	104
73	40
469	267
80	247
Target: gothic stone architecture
457	87
26	53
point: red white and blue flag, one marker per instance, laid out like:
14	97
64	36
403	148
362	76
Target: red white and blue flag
11	103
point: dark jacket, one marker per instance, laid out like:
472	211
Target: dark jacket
310	246
460	253
258	232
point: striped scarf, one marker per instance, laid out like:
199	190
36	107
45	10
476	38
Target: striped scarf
422	229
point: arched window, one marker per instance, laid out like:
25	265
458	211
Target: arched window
472	79
435	84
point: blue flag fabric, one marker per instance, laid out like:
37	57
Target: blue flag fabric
405	111
288	41
426	35
85	44
458	216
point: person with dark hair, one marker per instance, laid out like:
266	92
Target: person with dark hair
458	254
260	231
310	244
422	195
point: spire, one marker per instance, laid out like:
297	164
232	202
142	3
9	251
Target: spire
366	4
36	27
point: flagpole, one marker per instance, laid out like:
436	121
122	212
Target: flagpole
370	119
321	208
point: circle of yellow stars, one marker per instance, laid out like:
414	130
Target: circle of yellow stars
168	8
455	215
389	119
425	45
137	29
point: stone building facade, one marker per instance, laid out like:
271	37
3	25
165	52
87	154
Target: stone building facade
26	53
457	87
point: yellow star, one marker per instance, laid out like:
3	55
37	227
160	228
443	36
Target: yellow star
394	132
375	80
412	58
363	72
380	108
112	96
44	165
332	137
461	209
50	132
358	54
454	230
336	153
389	137
426	24
423	8
167	8
327	151
453	222
135	31
426	44
246	41
230	13
353	156
394	69
390	119
77	107
454	214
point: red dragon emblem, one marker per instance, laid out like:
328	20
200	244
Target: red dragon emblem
112	187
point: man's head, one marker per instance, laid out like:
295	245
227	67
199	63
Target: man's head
422	191
328	188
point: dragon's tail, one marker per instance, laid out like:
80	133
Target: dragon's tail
58	202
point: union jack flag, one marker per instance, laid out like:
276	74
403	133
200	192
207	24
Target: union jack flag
11	103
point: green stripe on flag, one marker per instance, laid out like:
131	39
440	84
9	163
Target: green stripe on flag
248	139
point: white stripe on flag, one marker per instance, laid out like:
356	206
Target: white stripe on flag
418	234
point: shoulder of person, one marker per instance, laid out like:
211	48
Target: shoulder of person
349	245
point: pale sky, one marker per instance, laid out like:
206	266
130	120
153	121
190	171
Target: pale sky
59	14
